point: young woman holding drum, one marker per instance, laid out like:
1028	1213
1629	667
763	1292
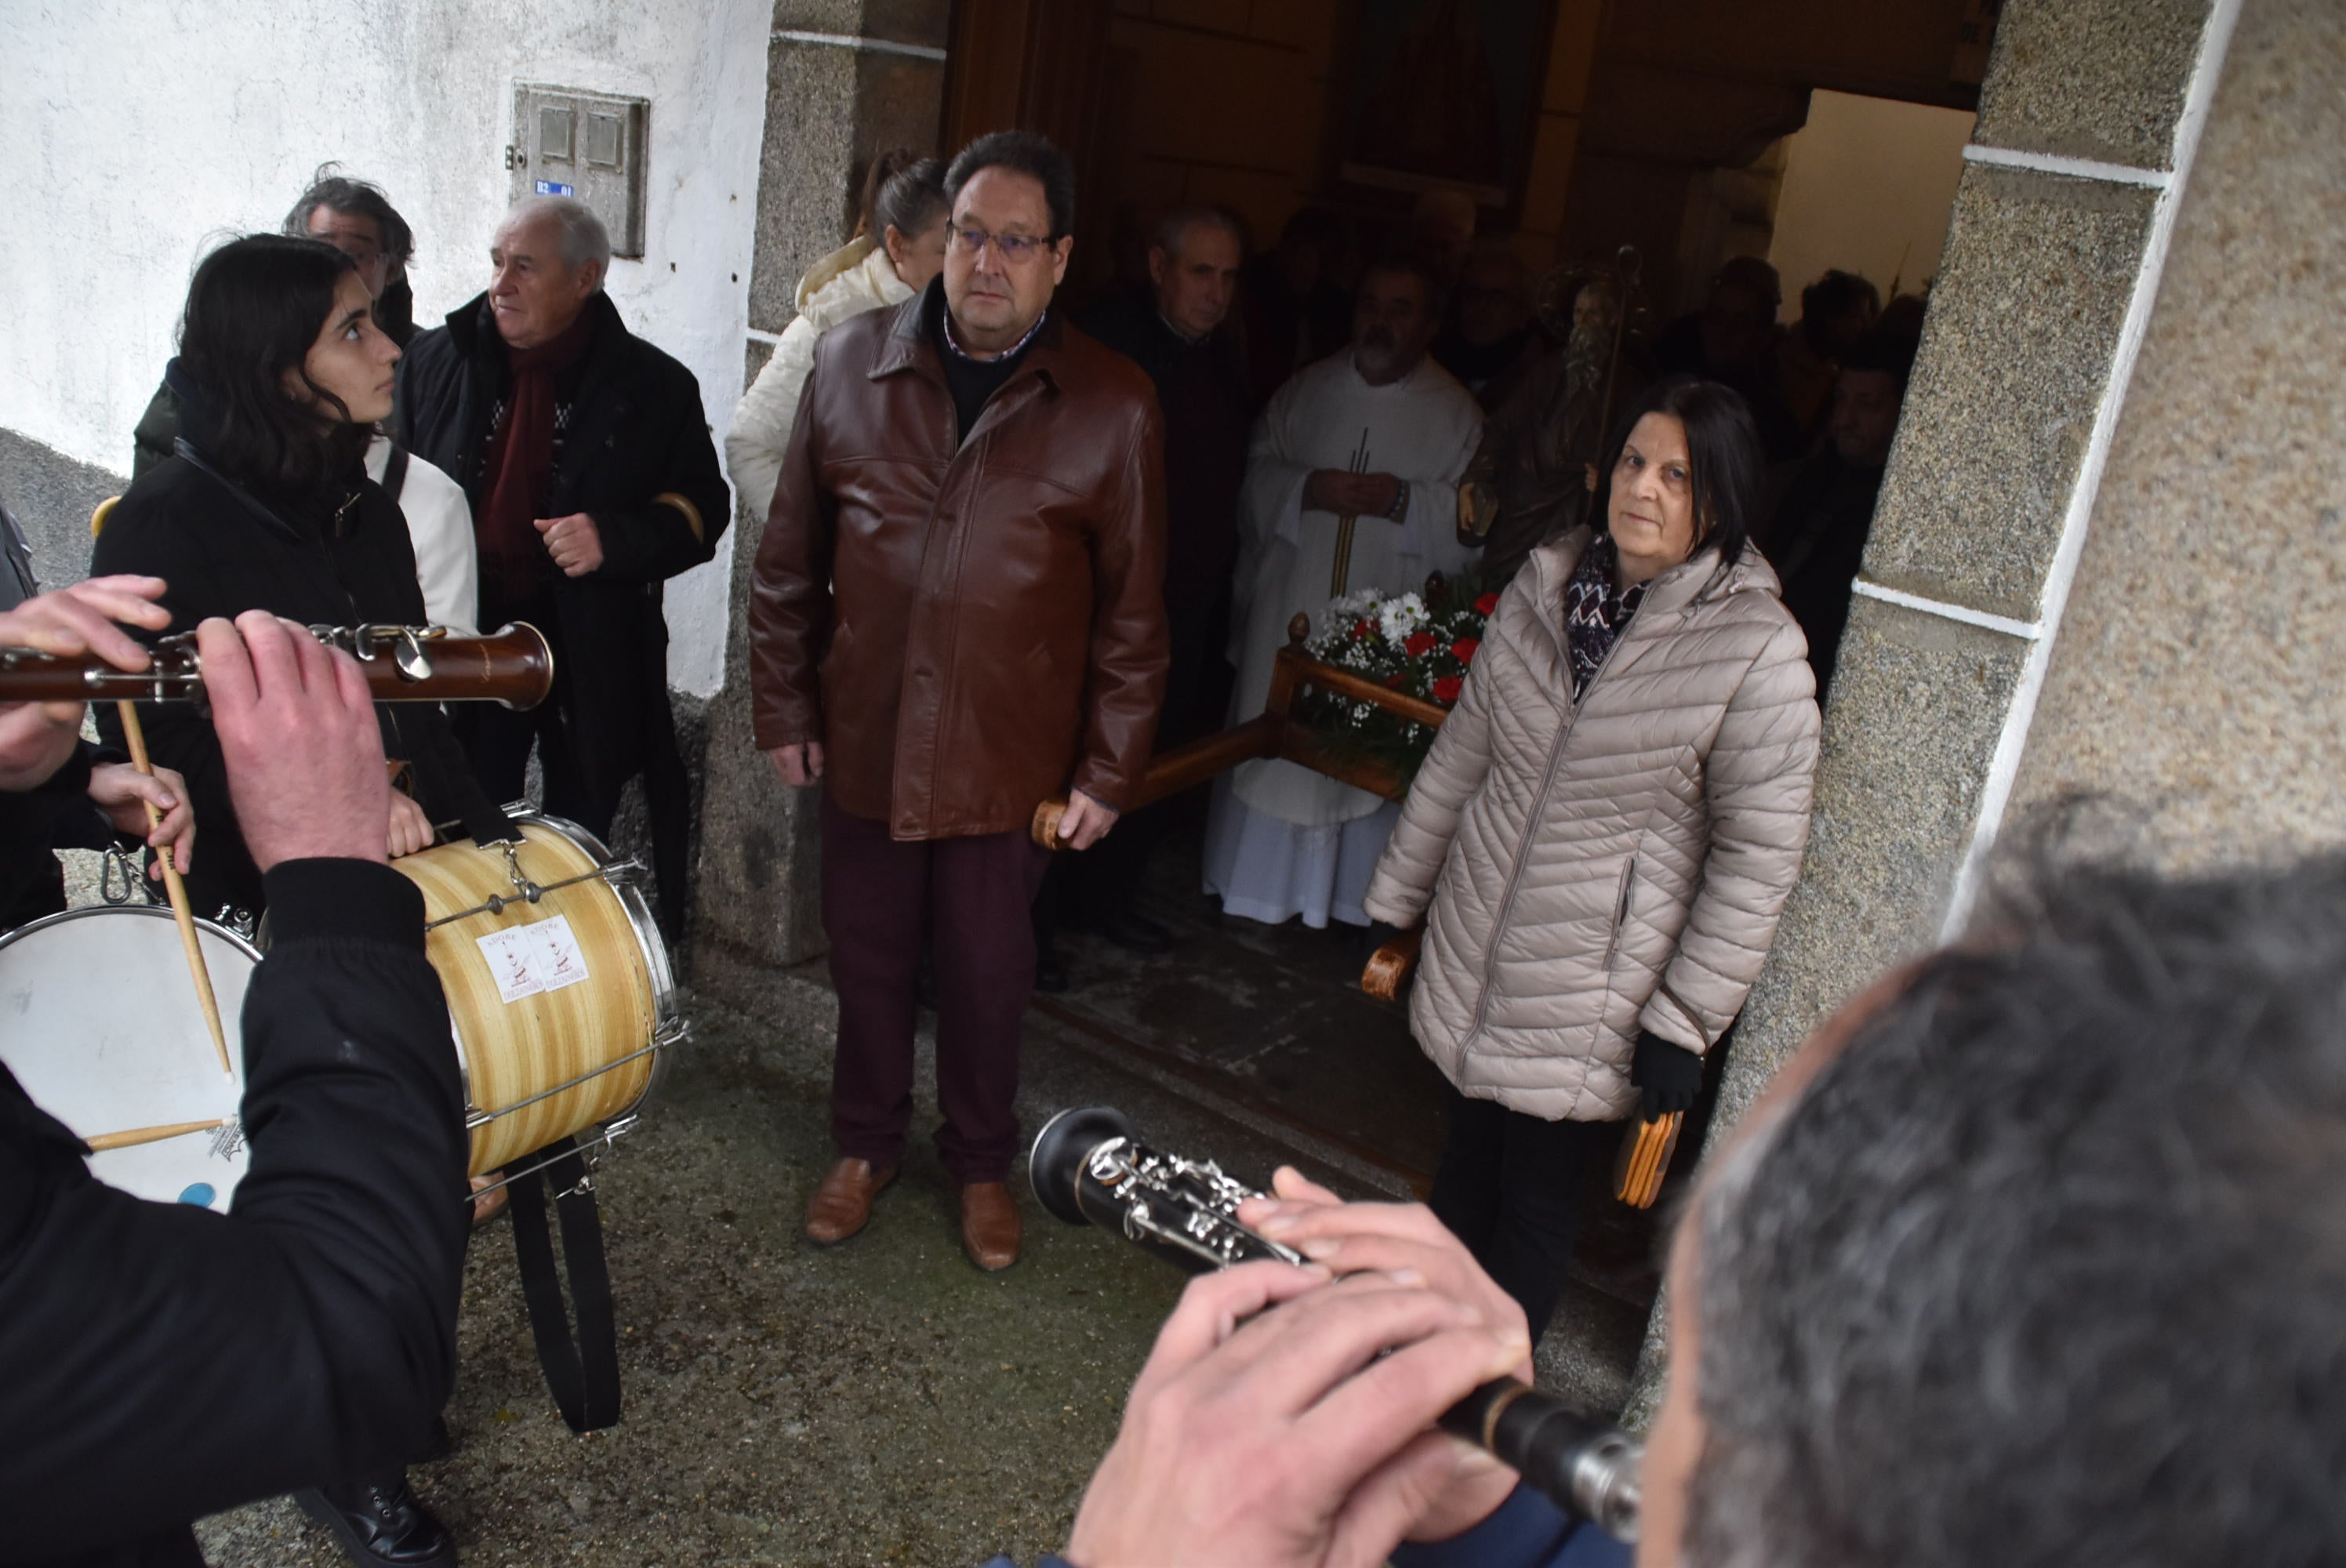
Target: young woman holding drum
282	375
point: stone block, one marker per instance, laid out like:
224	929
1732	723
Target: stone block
804	207
2024	325
2195	677
754	355
2101	80
1918	706
898	102
845	18
756	889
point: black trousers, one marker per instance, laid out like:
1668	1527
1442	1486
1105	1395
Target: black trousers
1511	1188
498	741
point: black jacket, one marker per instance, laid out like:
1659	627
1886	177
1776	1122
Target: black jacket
634	455
1816	543
159	1362
222	551
1209	410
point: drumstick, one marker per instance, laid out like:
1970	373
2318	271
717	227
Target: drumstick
124	1140
136	738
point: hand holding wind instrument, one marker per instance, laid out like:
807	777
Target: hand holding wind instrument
1089	1168
512	665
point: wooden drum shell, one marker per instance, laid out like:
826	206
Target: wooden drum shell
601	1036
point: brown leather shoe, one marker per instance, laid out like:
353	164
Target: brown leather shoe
842	1206
989	1224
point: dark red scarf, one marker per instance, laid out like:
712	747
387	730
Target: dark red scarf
520	465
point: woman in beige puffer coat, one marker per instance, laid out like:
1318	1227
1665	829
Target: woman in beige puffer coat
1604	832
899	246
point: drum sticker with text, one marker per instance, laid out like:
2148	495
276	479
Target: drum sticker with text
527	959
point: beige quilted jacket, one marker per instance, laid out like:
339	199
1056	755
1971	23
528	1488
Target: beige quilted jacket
1616	868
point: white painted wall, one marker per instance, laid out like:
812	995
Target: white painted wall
140	131
1869	183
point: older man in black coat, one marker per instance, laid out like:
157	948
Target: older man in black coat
586	456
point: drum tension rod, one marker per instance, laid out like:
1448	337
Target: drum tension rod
531	892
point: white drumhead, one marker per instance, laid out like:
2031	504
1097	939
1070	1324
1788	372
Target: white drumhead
99	1021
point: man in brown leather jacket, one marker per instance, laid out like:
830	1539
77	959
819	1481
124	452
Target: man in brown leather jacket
956	615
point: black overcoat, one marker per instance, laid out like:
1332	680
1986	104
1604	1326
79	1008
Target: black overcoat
634	455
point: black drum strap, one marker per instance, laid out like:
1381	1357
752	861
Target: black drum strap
582	1373
394	472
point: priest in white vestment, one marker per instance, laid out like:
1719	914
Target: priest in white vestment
1282	841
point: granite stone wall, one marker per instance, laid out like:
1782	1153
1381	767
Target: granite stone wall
845	79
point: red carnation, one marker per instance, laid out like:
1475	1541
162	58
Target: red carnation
1361	629
1487	603
1464	649
1447	688
1418	644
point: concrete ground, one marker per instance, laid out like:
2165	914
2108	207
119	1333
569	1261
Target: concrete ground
883	1402
878	1403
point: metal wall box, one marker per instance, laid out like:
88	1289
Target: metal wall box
592	146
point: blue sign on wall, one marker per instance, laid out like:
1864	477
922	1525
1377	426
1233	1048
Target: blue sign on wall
554	187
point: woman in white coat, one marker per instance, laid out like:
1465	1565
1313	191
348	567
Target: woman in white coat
1604	833
899	246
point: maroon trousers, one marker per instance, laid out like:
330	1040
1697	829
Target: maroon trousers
970	897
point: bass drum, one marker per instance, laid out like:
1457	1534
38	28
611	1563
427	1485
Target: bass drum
102	1029
558	981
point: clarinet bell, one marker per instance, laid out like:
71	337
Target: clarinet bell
1061	1148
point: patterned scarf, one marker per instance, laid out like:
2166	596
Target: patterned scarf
1594	612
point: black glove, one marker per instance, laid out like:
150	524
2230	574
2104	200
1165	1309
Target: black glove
1670	1074
1381	935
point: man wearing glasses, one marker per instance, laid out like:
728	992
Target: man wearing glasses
957	615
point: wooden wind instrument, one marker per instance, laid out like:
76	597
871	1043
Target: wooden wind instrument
512	665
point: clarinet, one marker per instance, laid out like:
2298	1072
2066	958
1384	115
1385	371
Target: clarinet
1089	1168
512	665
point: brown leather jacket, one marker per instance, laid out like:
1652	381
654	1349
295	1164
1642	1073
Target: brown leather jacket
967	630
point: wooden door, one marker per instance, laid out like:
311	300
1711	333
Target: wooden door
1039	65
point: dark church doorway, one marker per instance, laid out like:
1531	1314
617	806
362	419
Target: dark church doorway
1695	132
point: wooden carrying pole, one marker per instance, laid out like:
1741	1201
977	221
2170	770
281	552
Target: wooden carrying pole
136	738
1274	732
